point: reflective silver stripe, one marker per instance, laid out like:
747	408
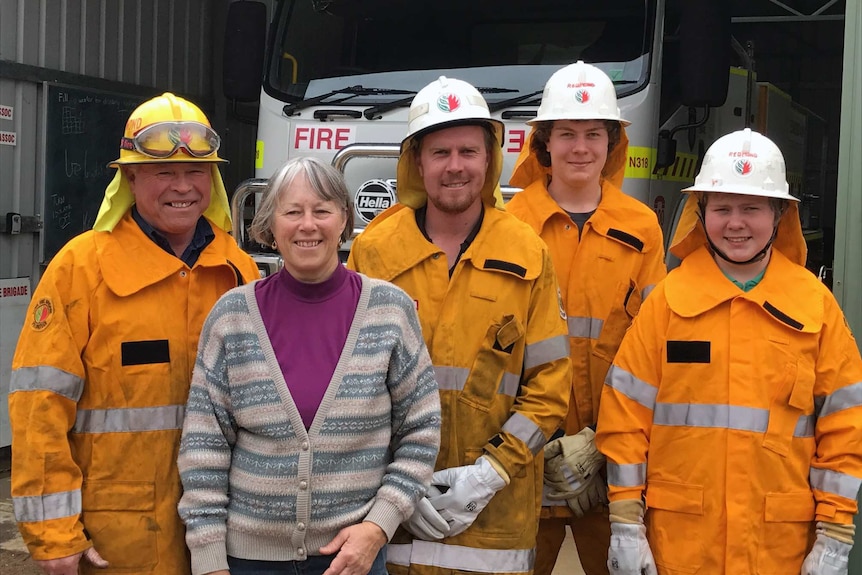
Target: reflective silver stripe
462	558
724	417
546	351
590	327
46	378
626	475
524	429
709	415
631	387
834	482
510	384
805	426
451	378
455	378
840	399
130	419
46	507
646	291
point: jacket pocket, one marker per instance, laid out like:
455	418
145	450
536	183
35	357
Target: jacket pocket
675	525
626	305
121	521
793	398
786	533
502	340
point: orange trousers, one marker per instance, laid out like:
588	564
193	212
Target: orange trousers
592	534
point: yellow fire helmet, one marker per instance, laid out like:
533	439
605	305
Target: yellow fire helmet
166	128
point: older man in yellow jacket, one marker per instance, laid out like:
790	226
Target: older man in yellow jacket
608	253
733	410
101	373
488	304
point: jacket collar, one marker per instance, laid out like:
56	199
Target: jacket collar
391	258
131	261
609	214
786	292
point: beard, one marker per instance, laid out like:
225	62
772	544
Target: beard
454	204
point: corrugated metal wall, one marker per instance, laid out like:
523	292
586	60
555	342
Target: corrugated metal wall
143	42
151	44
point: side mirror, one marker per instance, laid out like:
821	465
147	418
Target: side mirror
704	52
666	152
244	43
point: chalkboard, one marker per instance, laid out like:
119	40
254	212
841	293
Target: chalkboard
83	132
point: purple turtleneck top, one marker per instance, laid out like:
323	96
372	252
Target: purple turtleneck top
307	325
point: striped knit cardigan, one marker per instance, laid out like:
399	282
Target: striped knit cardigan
257	485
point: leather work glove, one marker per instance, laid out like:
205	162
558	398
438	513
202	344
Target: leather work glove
470	489
426	523
828	556
572	465
591	494
629	553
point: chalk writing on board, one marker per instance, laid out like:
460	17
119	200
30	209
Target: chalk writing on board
83	132
72	122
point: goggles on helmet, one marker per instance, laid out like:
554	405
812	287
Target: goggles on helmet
163	139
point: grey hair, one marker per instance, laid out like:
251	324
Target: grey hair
323	178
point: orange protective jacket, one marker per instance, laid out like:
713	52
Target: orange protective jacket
100	379
604	274
738	415
497	339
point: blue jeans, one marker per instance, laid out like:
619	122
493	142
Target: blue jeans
314	565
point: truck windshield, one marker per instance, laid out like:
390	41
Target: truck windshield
320	46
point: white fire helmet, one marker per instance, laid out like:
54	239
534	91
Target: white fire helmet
579	92
743	162
448	101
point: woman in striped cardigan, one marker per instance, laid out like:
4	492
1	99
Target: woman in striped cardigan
313	420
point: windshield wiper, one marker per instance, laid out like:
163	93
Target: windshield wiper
352	91
376	112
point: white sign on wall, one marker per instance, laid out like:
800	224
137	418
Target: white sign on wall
14	300
6	112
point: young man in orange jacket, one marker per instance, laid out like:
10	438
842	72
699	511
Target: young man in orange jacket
608	253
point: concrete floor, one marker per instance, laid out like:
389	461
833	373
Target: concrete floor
567	561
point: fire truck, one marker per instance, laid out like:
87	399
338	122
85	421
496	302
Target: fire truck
338	77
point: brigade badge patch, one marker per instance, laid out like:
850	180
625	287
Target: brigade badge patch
42	314
560	302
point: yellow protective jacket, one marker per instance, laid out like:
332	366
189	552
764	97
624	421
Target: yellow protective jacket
100	379
497	337
738	415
